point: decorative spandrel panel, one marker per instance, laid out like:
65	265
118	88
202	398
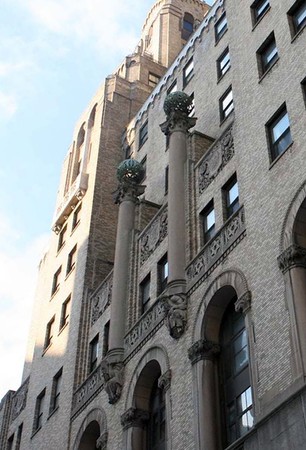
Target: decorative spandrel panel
220	153
101	298
19	399
91	387
217	249
153	234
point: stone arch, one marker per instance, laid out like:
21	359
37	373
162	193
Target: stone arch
95	423
212	307
293	221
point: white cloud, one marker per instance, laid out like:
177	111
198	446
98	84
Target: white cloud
8	105
17	286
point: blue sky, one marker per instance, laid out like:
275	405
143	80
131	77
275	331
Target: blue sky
53	56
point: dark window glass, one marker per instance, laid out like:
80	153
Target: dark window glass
279	133
62	238
76	217
208	220
220	27
223	63
188	72
56	282
157	422
192	106
166	179
258	8
303	86
143	134
144	165
71	260
10	442
172	88
49	333
93	353
226	104
297	16
153	79
65	312
19	436
39	409
145	293
267	54
231	195
236	391
163	272
106	338
188	23
56	389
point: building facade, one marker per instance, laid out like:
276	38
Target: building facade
170	309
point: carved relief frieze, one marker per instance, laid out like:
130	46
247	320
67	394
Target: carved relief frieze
215	159
19	399
144	328
91	386
153	235
217	249
101	299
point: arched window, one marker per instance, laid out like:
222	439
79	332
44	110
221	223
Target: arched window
234	376
188	26
157	422
90	437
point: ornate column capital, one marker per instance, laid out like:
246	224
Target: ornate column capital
176	313
101	442
203	349
127	192
293	256
243	303
164	380
134	417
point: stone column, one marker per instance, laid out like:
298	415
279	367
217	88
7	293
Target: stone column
202	355
177	107
130	173
292	263
134	422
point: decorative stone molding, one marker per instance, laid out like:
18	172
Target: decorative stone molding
101	442
19	399
176	309
134	417
243	304
91	387
164	380
152	236
147	325
220	153
178	121
217	249
101	299
113	379
293	256
203	349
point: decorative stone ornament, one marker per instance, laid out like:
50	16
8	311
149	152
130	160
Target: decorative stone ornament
203	349
178	101
130	171
293	256
134	417
176	309
243	304
113	379
101	442
164	380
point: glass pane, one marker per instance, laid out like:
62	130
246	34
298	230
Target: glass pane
279	128
165	270
227	100
261	8
210	219
240	342
301	15
270	54
221	25
188	69
231	413
224	63
241	359
238	323
233	193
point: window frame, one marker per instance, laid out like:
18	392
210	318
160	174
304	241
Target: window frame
56	281
62	238
166	179
143	134
161	271
223	110
93	354
39	411
172	88
76	217
210	232
220	70
153	82
188	72
71	260
49	334
303	87
262	54
230	207
65	312
296	28
270	126
185	32
219	33
145	293
257	13
55	391
105	347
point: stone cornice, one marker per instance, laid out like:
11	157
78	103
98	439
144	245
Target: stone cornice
293	256
203	349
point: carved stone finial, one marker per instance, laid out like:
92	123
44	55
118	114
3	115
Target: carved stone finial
243	304
177	101
101	442
203	349
113	379
177	107
176	309
130	171
134	417
293	256
164	380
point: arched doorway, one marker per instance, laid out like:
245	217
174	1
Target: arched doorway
90	437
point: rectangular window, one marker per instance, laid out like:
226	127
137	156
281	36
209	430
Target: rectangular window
39	409
192	106
71	260
56	282
223	63
143	134
10	442
172	88
105	339
188	72
231	197
278	130
163	272
144	165
145	293
297	17
56	390
62	238
153	79
267	55
76	217
258	9
19	436
65	312
208	221
303	86
93	353
166	179
226	104
49	333
220	27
